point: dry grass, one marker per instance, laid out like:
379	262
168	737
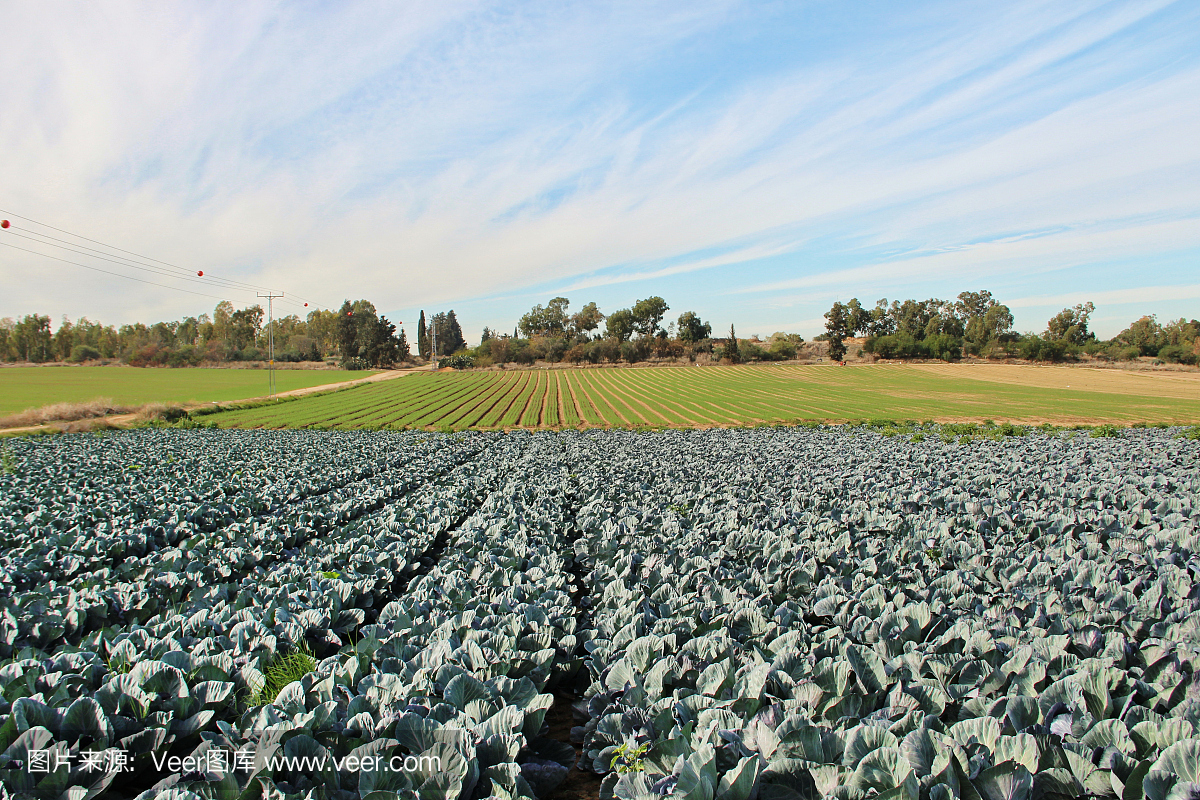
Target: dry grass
160	412
64	412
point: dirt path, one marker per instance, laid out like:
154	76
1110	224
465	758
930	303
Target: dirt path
121	420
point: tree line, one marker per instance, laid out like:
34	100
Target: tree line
974	324
553	333
977	324
356	335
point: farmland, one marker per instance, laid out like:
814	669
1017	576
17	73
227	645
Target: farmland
723	396
32	387
780	613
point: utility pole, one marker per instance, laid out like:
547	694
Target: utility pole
271	339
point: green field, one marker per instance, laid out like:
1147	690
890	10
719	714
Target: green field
723	396
22	388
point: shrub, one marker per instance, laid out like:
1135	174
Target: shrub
459	361
578	354
84	352
354	363
1035	348
605	350
783	350
1172	353
748	351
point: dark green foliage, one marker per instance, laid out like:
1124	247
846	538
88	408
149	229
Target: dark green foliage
84	352
731	347
692	328
458	361
1036	348
1177	354
1070	325
422	337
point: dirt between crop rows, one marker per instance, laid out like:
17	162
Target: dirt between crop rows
578	785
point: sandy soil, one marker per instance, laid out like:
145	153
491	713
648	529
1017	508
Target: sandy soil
1183	385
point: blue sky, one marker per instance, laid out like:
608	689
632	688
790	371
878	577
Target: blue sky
752	162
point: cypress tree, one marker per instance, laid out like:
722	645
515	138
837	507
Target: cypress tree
422	337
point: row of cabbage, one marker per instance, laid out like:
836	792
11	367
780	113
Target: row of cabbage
104	508
792	615
200	657
771	613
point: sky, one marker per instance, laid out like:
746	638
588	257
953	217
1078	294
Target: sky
750	161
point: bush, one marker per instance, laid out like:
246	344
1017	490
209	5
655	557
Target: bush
84	352
459	361
354	363
783	350
578	354
1035	348
751	352
904	345
605	350
943	346
1172	353
630	352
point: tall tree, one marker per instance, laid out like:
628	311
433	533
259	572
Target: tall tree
403	352
732	351
549	321
586	320
619	325
1071	324
692	328
837	326
422	337
454	340
347	332
647	314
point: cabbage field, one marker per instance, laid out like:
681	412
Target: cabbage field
770	613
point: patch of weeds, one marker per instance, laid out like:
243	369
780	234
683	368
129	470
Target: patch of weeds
283	670
629	759
119	665
1190	433
330	574
917	437
8	462
1106	432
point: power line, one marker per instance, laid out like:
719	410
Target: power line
122	263
109	272
253	287
94	253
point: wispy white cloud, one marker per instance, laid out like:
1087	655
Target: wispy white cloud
1137	295
464	149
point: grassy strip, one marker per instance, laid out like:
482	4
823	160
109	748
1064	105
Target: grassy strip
532	415
619	391
513	414
550	411
608	415
492	390
570	409
497	412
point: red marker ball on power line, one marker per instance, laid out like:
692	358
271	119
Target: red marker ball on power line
200	273
306	305
4	224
